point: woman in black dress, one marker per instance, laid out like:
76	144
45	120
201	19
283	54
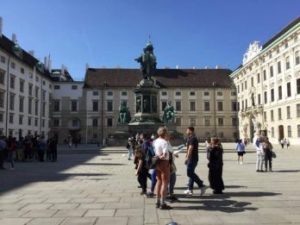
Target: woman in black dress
215	165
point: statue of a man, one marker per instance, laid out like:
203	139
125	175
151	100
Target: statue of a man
147	61
169	113
124	114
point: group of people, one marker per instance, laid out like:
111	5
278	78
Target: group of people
264	154
29	148
284	142
154	158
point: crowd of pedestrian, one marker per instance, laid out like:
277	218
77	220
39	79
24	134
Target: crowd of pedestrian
154	159
28	148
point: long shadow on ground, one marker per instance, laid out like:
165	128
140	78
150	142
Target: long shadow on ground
30	172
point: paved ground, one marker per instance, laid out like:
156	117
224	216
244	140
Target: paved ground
95	188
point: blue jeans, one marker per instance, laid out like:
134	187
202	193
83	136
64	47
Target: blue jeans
153	180
193	177
172	183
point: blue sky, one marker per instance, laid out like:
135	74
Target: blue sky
112	33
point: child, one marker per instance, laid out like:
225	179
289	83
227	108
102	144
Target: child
240	148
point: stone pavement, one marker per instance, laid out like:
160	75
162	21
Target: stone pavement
96	189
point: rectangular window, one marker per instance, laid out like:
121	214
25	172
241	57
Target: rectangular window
279	67
192	106
95	122
2	59
124	93
36	122
259	99
234	107
56	122
280	92
252	81
29	105
20	119
279	114
220	93
11	118
220	106
272	115
192	93
29	121
43	95
178	106
288	89
109	106
271	71
95	93
30	89
258	78
109	122
2	76
1	118
74	105
206	93
163	105
298	110
207	121
234	121
36	107
272	95
56	87
178	93
56	105
21	104
12	101
220	121
289	129
109	93
1	99
74	87
298	130
193	122
272	132
233	93
288	112
44	109
297	57
206	106
164	93
178	121
36	92
12	65
265	116
298	86
95	106
22	70
12	82
287	62
265	97
265	75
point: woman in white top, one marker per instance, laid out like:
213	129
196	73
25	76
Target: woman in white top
162	168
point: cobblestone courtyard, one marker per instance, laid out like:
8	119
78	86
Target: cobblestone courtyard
101	188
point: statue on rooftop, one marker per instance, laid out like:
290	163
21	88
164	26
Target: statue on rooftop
147	61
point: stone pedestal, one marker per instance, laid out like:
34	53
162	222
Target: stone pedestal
146	118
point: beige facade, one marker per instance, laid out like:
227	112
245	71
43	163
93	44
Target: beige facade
268	87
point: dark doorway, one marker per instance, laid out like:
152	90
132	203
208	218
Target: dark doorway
280	132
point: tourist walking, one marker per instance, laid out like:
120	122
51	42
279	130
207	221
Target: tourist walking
129	147
11	147
287	142
191	162
162	168
259	153
141	171
240	148
215	166
267	148
2	151
282	143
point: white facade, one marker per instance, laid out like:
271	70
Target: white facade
20	87
268	87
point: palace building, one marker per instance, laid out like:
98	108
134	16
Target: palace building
268	87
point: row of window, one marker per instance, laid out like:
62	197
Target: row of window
289	131
244	103
30	120
12	104
193	93
279	113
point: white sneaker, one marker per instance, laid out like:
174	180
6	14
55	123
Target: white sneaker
203	190
188	192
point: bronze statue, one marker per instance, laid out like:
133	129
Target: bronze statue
169	113
124	114
147	61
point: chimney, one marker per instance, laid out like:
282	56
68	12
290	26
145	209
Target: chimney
1	26
31	52
14	38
